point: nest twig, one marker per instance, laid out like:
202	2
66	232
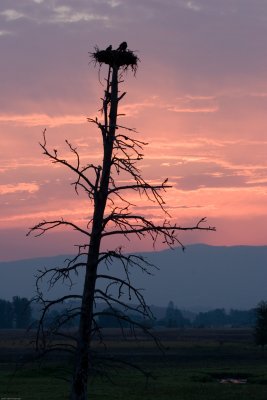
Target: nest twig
116	58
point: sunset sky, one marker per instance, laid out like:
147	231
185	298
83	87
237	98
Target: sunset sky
199	99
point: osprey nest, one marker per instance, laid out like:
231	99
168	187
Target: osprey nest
120	58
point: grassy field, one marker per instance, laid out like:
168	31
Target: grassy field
192	368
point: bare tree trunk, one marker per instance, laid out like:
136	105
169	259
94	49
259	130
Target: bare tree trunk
82	361
120	154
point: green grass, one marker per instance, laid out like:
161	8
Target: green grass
32	384
189	371
172	382
185	384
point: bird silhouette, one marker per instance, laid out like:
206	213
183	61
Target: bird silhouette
122	46
109	48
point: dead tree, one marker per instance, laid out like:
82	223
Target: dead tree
113	215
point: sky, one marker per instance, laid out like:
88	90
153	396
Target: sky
199	99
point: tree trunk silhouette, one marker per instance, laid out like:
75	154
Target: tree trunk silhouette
120	155
82	362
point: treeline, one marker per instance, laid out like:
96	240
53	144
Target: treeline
175	318
18	314
217	318
15	314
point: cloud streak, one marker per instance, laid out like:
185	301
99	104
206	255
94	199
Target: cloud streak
20	187
34	120
199	98
65	14
11	15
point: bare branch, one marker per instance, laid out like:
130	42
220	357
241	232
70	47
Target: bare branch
45	226
112	215
76	169
142	226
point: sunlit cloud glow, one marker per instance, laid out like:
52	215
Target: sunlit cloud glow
199	100
20	187
32	120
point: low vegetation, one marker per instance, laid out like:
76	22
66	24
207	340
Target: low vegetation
21	313
194	364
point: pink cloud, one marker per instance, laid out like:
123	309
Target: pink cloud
34	120
199	99
194	110
20	187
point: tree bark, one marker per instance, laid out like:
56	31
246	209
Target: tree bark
120	154
82	357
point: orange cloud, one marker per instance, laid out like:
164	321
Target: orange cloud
32	120
20	187
194	110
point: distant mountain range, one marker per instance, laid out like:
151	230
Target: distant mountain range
202	277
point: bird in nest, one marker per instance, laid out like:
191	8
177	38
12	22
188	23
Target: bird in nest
122	46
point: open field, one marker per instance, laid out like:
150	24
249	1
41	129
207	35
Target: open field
194	363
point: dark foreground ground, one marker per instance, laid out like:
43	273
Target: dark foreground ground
197	364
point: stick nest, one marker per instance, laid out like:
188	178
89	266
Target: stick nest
116	58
